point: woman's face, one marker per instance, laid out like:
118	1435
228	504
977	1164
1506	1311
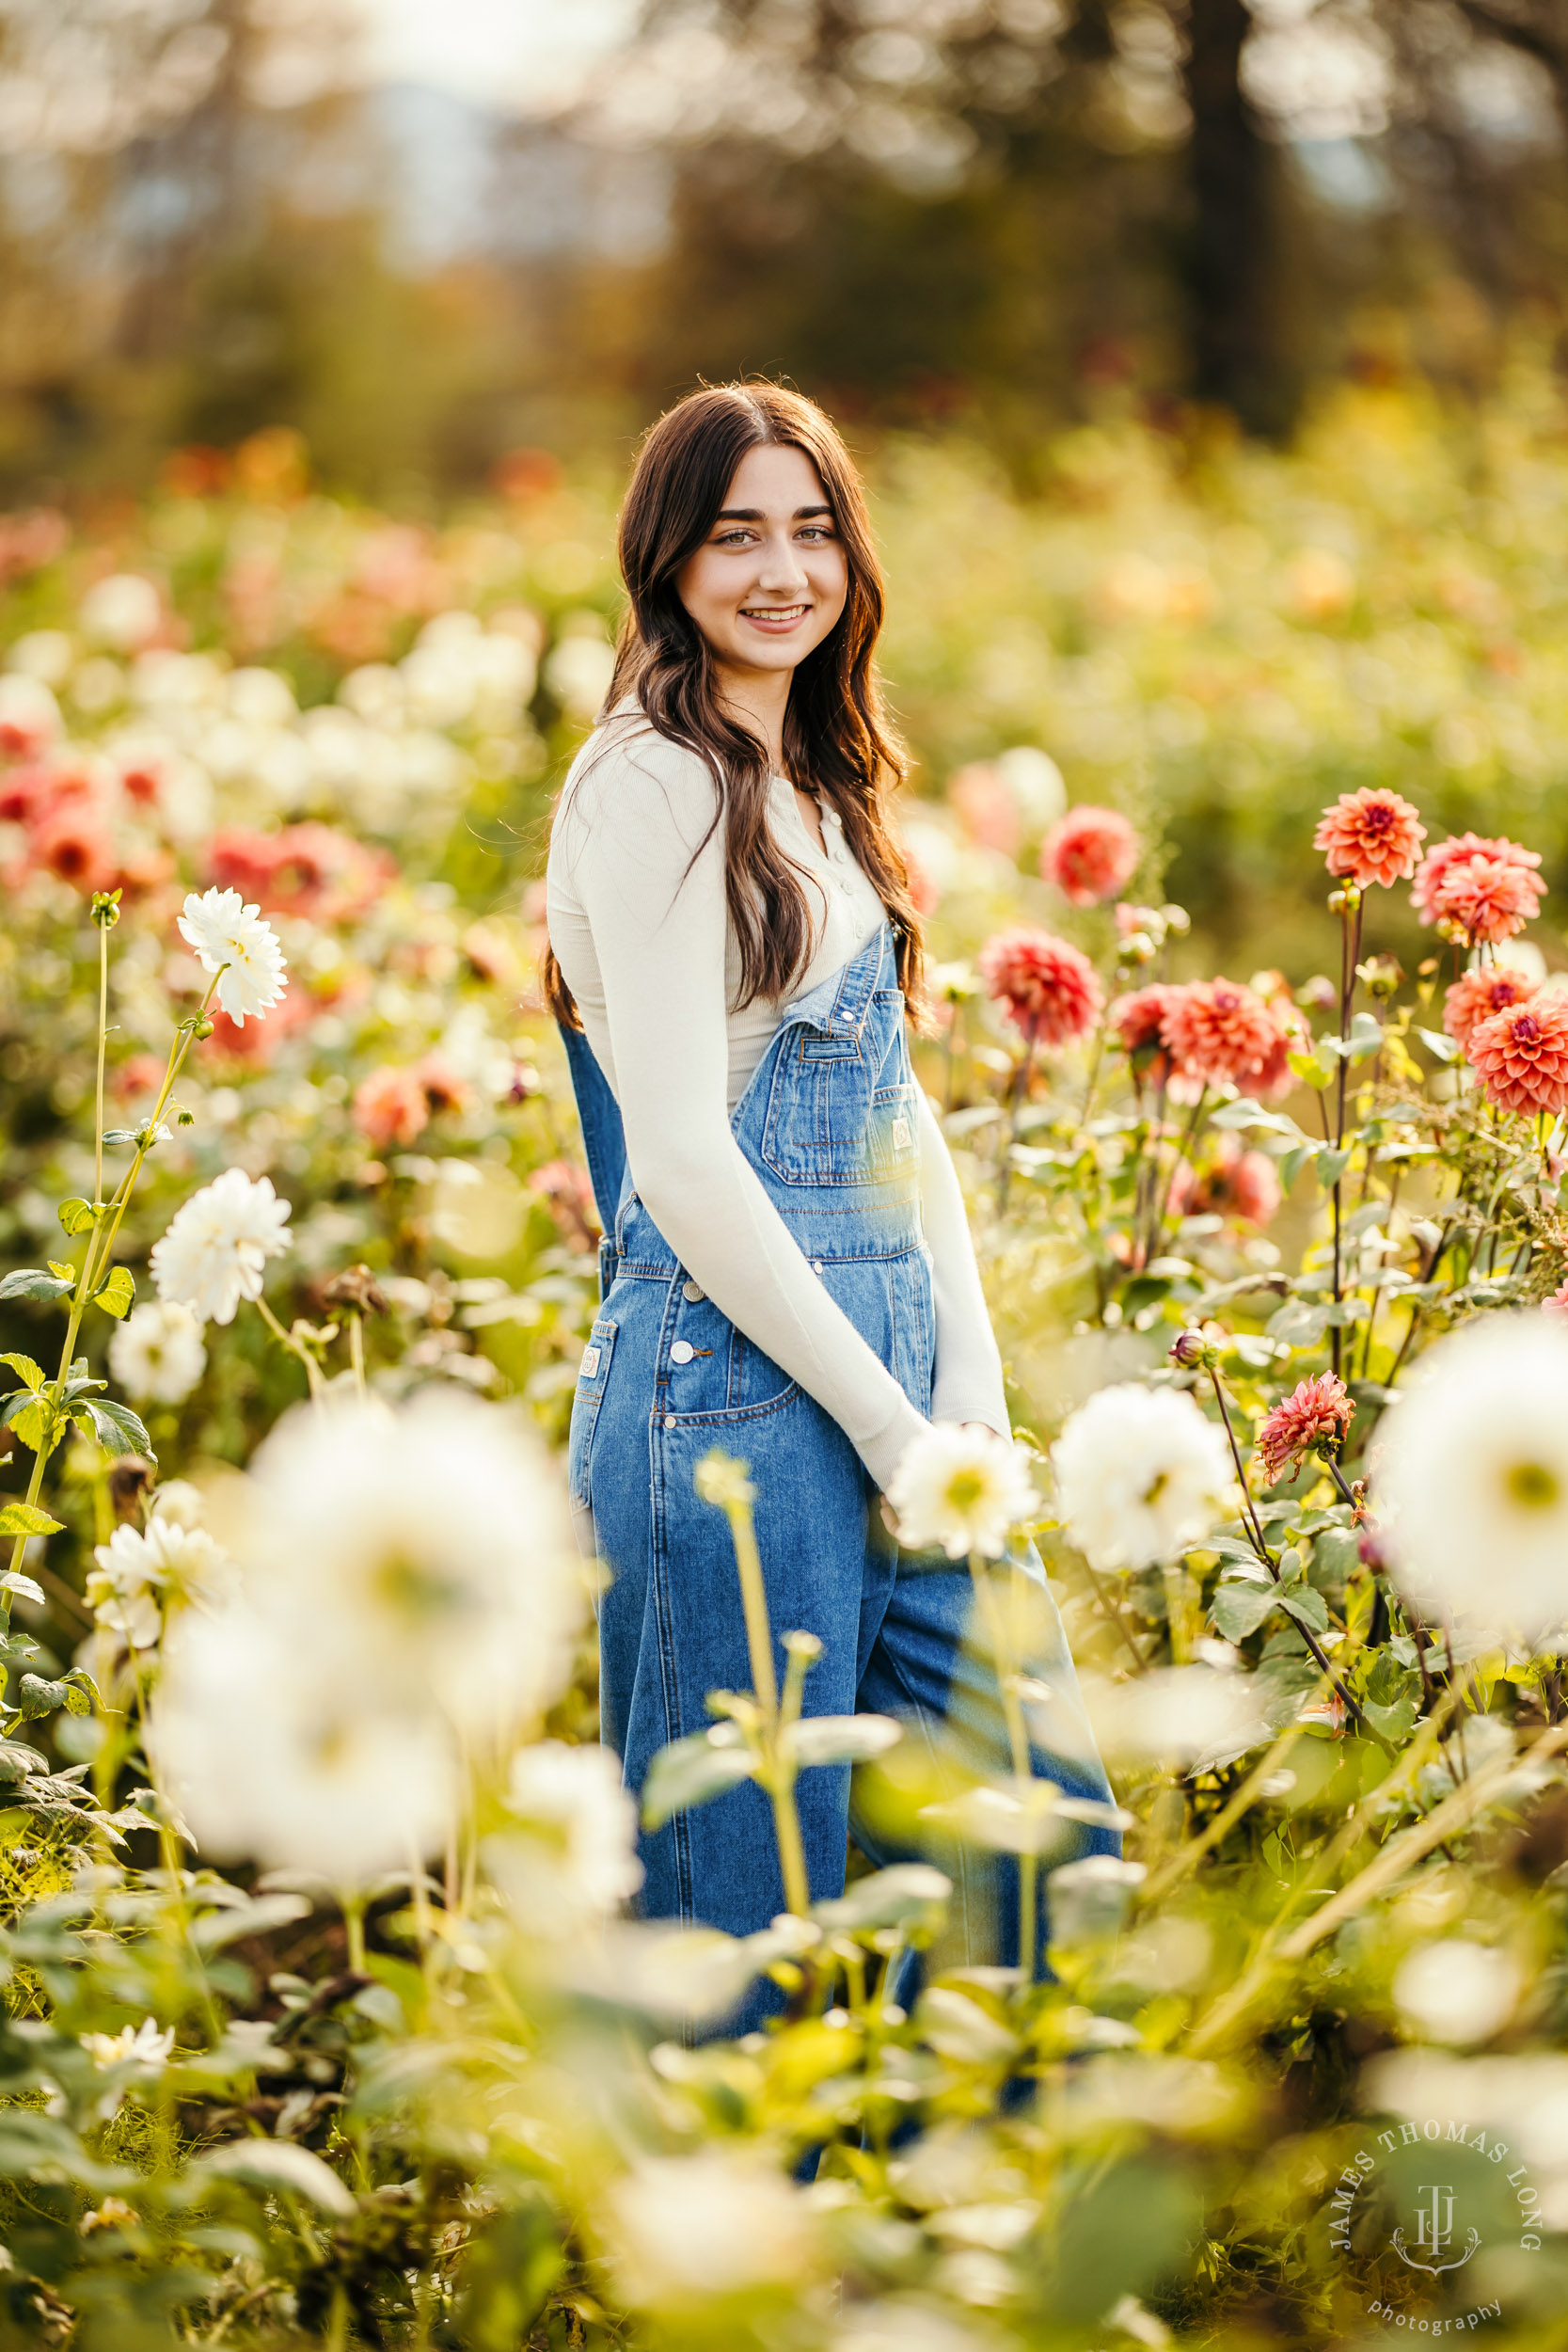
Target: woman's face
771	579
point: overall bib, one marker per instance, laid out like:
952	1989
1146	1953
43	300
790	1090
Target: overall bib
828	1123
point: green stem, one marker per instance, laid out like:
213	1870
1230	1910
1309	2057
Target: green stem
296	1347
1005	1665
103	1044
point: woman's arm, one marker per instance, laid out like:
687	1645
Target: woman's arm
968	1384
654	894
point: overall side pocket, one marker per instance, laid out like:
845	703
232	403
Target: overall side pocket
591	1374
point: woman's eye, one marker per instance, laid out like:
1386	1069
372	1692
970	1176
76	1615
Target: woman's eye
732	539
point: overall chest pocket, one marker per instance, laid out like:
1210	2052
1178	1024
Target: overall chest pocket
842	1110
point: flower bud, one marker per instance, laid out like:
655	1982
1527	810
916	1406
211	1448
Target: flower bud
1191	1351
105	908
1176	919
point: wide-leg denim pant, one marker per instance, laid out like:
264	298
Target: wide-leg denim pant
828	1123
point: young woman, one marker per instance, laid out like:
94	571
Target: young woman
787	1272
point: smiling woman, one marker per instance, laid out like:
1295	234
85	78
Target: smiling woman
787	1268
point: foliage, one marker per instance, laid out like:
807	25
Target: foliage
437	2100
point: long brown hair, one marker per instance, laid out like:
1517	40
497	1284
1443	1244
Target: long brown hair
837	740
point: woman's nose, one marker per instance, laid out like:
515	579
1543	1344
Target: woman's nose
781	566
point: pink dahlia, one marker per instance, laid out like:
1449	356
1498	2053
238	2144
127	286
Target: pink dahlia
1220	1033
1370	837
1228	1182
1460	846
1556	1306
391	1106
72	840
1048	988
986	807
1478	996
1313	1419
1089	855
1138	1019
1522	1053
1488	897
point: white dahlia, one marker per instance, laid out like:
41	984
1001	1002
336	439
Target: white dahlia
231	938
216	1250
577	1857
961	1489
1470	1479
683	2229
136	1574
1141	1476
157	1354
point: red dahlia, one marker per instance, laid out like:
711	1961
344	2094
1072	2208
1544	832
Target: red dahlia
1043	984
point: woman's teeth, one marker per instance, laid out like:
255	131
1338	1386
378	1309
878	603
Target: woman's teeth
772	612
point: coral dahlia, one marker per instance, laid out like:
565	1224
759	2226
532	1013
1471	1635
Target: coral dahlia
1370	837
1220	1033
1460	846
1138	1019
1478	995
1089	855
1043	984
1522	1053
1313	1418
1488	897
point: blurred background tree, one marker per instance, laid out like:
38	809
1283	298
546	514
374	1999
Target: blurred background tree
1011	212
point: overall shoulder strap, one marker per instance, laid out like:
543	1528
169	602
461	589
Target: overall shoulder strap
604	1140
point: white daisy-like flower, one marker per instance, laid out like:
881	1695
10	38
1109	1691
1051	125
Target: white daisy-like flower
424	1554
1471	1480
1141	1476
157	1354
577	1855
147	2043
273	1763
233	939
216	1250
123	611
137	1573
961	1489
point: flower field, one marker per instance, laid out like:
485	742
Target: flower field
328	2020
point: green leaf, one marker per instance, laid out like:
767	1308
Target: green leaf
1238	1610
78	1217
1365	1039
62	1270
34	1696
31	1282
1309	1069
117	1429
30	1372
13	1581
120	1135
1307	1606
909	1894
1445	1048
273	2163
1246	1113
840	1739
692	1771
25	1519
115	1294
17	1759
31	1417
1292	1163
1395	1722
1331	1165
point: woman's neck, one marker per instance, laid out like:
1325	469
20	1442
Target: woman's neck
758	699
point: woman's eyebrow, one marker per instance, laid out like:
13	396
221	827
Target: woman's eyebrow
755	515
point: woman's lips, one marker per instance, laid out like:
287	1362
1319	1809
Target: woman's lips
775	619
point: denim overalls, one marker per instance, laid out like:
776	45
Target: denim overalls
828	1123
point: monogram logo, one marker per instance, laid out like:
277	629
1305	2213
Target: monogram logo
1434	2234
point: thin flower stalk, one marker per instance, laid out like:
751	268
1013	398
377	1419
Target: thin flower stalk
1005	1659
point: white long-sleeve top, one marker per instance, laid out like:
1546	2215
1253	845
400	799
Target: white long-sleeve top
640	925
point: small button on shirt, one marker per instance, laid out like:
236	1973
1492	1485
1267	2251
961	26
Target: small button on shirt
681	1352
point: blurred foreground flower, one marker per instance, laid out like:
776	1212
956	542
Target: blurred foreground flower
1370	837
962	1489
157	1354
1090	854
1221	1034
685	2230
1456	1990
1047	989
1313	1418
1175	1716
423	1554
1470	1475
232	939
576	1858
270	1760
216	1250
1141	1476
